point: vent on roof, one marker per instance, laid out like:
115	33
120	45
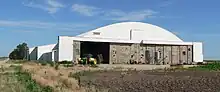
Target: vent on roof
96	33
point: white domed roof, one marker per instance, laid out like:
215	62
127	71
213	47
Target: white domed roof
132	31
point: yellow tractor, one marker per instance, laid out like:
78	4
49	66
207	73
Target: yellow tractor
87	59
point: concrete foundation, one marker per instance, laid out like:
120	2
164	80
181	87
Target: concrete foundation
137	67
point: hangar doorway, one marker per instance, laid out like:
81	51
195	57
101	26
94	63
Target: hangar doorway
99	50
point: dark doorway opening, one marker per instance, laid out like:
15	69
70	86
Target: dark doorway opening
99	50
147	56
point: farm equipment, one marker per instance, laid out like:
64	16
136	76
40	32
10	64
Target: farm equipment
87	59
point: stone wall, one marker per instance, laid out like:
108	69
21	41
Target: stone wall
175	55
190	54
160	54
142	54
119	53
123	53
167	54
183	54
150	54
76	50
134	52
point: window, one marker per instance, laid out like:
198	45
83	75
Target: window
160	54
96	33
184	52
189	49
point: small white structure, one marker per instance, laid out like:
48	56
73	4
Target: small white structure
197	52
33	53
121	33
42	53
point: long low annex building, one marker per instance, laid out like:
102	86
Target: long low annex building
123	43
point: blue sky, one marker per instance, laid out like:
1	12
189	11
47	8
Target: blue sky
39	22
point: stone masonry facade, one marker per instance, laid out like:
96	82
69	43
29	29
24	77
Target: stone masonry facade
124	53
150	54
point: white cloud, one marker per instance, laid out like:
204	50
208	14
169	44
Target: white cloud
117	15
43	25
165	3
54	3
25	31
131	16
84	9
51	6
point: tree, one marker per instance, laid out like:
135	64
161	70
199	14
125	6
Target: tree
20	52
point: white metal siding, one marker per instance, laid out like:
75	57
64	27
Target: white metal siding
33	53
65	48
197	52
122	31
45	52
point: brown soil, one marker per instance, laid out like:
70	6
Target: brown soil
157	81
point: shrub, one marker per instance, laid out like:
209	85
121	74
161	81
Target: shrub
211	66
51	63
93	65
17	61
77	75
20	52
68	65
2	68
12	66
43	63
30	84
65	62
57	66
47	89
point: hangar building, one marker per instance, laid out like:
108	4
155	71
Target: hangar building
122	43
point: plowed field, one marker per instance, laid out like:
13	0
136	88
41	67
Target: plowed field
153	81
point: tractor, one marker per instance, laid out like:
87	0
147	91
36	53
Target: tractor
87	59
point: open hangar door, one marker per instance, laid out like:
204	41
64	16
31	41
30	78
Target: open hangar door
99	50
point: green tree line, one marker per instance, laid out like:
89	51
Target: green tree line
20	52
